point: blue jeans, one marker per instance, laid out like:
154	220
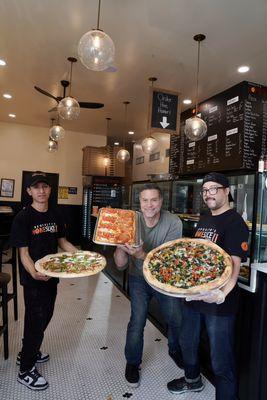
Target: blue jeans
220	330
141	294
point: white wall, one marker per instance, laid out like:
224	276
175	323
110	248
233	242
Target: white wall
161	166
23	147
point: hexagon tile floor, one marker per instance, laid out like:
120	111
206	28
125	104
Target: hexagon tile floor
85	340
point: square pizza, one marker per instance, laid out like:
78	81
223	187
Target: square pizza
115	226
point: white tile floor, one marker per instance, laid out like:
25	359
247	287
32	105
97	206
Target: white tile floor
85	340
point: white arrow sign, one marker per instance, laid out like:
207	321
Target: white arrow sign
164	122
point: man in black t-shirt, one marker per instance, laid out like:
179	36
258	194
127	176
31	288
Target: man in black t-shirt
217	309
37	231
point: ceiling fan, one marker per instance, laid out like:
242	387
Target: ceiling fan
65	84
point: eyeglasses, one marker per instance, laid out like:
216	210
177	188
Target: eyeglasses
211	190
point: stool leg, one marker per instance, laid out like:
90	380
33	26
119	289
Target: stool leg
5	320
14	281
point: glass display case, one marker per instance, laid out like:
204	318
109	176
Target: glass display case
260	246
187	203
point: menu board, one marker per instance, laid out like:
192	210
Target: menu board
237	130
163	111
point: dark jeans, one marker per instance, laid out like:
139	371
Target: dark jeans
39	308
220	331
141	294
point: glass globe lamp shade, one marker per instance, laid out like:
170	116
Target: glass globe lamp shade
123	155
195	129
96	50
150	145
56	132
52	146
68	108
106	161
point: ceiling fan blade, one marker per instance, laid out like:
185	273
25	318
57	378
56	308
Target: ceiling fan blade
84	104
46	93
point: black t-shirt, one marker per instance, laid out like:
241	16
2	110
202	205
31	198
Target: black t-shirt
230	232
39	231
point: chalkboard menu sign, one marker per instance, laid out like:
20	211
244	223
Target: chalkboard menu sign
164	115
236	136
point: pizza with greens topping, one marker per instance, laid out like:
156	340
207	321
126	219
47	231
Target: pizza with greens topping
187	267
71	265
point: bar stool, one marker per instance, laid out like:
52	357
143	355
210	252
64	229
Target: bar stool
4	279
4	241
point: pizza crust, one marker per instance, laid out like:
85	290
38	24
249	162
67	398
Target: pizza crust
39	265
214	284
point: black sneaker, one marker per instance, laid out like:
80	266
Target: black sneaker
132	375
41	358
179	386
32	379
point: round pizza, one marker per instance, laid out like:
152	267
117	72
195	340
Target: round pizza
71	265
186	267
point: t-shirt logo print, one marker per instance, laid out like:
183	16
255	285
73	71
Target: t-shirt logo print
207	233
44	228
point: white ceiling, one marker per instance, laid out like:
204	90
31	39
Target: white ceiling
151	37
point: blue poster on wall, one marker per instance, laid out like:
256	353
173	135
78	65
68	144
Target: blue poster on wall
72	190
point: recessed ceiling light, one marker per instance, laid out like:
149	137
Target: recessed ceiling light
116	143
12	115
187	101
243	68
7	96
131	132
2	62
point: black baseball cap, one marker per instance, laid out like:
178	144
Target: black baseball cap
38	177
218	178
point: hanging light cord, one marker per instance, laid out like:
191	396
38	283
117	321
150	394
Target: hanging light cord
108	121
70	77
126	103
125	123
98	14
198	58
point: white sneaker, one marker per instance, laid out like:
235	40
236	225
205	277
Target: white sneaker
32	379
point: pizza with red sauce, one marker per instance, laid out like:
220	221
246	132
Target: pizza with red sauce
187	266
115	226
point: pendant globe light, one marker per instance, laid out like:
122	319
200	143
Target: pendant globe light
123	155
52	146
69	108
56	132
96	49
150	144
195	127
